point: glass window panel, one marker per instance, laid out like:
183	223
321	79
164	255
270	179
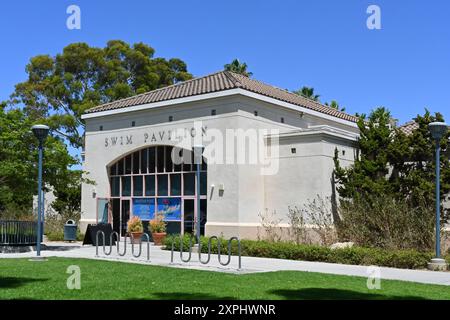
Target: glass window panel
120	167
189	184
160	159
177	167
128	164
150	185
126	186
113	170
203	215
151	159
163	185
187	160
188	215
169	163
175	184
136	159
144	160
204	166
115	187
203	183
137	186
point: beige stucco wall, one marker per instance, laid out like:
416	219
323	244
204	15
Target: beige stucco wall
234	212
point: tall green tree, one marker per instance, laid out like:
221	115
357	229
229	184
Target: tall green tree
238	67
368	173
335	105
393	163
18	161
307	92
60	89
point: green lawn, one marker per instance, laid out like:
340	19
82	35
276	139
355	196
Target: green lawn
22	279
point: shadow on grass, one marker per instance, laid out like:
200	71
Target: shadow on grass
336	294
15	282
185	296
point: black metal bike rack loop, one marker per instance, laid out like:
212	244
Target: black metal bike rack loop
208	259
181	249
114	233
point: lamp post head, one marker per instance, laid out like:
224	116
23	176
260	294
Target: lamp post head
40	131
438	129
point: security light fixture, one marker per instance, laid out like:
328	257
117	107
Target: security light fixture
40	131
438	129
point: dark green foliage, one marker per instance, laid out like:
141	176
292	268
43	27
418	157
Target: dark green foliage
408	259
308	93
18	159
60	89
237	67
393	172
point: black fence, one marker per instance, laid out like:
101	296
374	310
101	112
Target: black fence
17	232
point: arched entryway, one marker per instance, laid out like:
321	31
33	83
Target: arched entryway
147	181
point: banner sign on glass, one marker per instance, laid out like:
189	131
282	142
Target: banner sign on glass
144	208
170	208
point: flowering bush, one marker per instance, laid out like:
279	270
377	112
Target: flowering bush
135	225
157	225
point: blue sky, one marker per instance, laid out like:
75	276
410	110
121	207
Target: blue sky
405	66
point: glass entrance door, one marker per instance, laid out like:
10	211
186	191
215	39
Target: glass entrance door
116	214
125	216
188	216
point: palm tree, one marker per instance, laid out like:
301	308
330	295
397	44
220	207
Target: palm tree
335	105
307	93
237	67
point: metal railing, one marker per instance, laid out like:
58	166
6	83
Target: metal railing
114	233
13	232
219	254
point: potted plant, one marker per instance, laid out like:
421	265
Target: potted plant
158	229
135	229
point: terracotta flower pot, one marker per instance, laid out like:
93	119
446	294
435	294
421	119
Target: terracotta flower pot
158	238
136	237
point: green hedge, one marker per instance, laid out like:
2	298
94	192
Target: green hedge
408	259
59	236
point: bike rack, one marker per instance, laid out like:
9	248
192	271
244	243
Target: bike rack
118	245
181	250
209	250
229	252
219	255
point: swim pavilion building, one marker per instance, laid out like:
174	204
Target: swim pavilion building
265	149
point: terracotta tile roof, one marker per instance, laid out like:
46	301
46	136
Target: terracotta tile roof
409	127
221	81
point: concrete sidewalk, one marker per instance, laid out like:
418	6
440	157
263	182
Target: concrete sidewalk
249	264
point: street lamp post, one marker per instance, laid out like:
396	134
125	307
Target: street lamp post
40	131
438	130
198	159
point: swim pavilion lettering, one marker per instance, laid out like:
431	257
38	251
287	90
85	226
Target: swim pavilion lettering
121	140
155	137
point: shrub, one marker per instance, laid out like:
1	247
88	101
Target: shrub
135	225
54	223
59	236
385	222
157	225
175	238
409	259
